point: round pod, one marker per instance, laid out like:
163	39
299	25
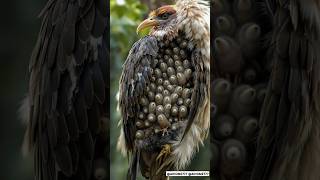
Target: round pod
158	98
139	134
224	126
180	101
159	110
187	102
147	123
181	79
165	76
167	100
160	89
170	62
170	88
225	24
153	87
183	53
177	63
176	57
152	107
229	56
141	115
144	101
174	97
243	102
167	109
159	81
188	73
246	129
250	75
139	124
176	50
186	93
233	157
178	90
180	69
158	73
249	40
183	44
151	117
173	79
171	71
174	111
163	67
168	51
186	64
221	93
151	95
163	121
183	111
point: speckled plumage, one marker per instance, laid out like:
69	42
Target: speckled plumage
191	19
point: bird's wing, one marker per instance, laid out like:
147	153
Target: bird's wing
68	87
288	113
200	90
133	81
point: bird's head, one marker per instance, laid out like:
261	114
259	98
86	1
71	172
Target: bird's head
161	21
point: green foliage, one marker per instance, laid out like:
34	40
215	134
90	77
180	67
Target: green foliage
124	19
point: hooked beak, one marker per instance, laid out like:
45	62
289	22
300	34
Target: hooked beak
150	22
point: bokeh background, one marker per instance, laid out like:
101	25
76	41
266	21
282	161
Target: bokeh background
18	32
125	15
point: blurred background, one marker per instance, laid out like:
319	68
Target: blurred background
18	32
125	17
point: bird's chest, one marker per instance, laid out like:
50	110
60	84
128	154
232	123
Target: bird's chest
165	103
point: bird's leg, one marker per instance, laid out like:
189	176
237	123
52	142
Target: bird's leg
165	152
165	131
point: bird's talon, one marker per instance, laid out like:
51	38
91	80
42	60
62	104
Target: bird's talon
165	151
165	131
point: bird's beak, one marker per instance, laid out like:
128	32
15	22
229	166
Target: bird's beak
150	22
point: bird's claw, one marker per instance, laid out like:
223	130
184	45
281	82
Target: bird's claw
165	152
165	131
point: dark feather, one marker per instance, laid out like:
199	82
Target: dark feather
62	132
289	111
72	124
81	112
63	159
98	25
200	89
144	48
68	95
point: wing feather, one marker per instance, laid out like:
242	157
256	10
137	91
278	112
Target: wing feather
200	92
67	90
290	109
133	81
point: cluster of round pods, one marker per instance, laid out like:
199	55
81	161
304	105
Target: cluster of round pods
235	117
238	87
167	97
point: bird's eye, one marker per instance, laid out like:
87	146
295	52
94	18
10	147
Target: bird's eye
165	16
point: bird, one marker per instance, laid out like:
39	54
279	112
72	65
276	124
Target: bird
66	108
274	101
164	90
